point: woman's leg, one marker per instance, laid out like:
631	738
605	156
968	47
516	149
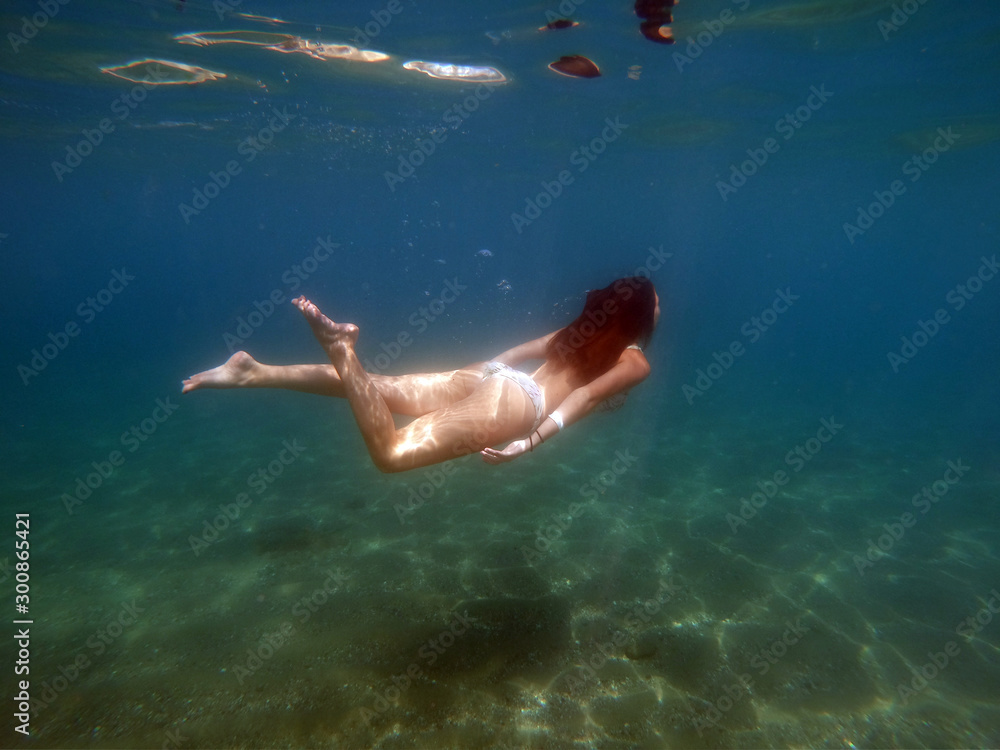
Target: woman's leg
496	410
422	393
408	395
243	371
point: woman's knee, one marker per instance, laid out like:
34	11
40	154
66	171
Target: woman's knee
394	460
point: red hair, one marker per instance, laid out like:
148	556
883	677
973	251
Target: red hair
614	317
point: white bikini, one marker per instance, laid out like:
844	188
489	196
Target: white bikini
527	383
530	387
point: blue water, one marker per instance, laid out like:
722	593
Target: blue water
622	586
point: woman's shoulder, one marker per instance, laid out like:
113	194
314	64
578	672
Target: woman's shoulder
632	352
632	357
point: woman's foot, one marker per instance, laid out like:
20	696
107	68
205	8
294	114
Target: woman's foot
335	338
237	372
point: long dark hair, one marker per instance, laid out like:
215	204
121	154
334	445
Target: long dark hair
613	317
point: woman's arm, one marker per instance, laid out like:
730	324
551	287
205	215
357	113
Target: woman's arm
534	349
630	370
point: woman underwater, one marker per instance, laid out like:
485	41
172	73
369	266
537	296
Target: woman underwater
588	365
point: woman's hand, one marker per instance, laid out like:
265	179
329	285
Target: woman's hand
512	451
